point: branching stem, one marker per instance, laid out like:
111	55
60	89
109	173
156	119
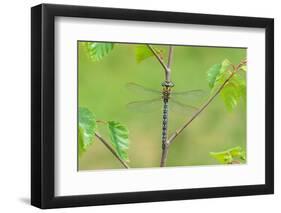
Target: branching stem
167	69
158	58
204	106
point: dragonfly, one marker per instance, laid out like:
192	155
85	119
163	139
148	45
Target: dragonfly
164	97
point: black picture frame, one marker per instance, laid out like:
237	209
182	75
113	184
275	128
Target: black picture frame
43	102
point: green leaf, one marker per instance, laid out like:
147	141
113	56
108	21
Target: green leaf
212	74
234	90
230	96
98	50
86	129
217	74
81	148
243	155
243	92
240	84
224	65
235	151
222	157
228	156
143	52
119	136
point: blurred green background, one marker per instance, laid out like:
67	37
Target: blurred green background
102	90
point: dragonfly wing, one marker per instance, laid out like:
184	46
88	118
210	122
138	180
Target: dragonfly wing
141	90
145	106
189	96
179	107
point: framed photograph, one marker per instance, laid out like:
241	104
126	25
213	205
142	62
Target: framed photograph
139	106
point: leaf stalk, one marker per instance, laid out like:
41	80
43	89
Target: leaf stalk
101	139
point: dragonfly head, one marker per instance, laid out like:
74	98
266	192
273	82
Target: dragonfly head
167	84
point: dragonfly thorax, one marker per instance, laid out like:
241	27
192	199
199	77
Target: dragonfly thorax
166	91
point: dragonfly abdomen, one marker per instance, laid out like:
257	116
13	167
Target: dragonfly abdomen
165	122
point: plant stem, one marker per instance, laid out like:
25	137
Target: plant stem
111	150
101	121
198	112
164	156
170	58
158	58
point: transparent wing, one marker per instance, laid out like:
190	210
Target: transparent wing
181	108
145	106
189	96
141	90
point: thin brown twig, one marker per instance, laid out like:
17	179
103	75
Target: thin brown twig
170	56
170	59
158	57
111	150
101	121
